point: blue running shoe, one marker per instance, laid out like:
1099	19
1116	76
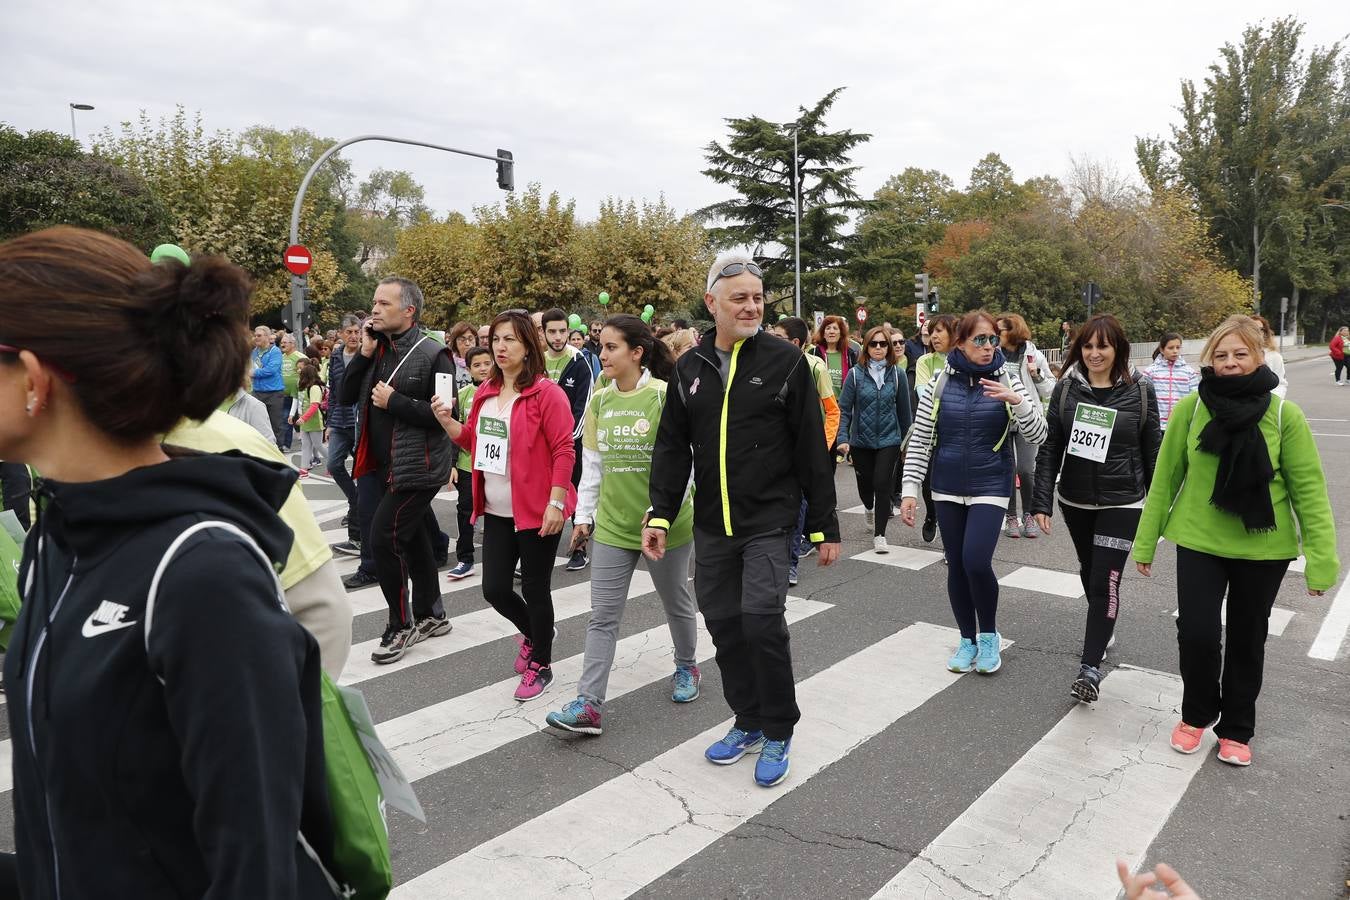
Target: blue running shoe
736	744
988	660
461	570
772	766
579	716
686	680
963	660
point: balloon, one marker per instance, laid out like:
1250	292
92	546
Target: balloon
649	309
574	321
170	251
782	316
604	298
647	315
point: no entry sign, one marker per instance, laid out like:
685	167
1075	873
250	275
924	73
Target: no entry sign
297	259
861	314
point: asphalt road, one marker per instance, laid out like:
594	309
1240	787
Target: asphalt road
905	781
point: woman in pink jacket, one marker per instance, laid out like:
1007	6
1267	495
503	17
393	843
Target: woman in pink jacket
519	436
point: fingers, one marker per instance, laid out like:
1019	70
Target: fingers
1145	569
1171	879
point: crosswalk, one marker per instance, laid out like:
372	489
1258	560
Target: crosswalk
1100	782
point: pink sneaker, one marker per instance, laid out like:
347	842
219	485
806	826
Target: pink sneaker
1186	738
1233	753
304	473
533	682
523	655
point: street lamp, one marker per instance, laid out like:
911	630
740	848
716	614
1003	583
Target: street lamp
74	106
796	231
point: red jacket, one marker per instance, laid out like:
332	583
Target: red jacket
1337	347
541	452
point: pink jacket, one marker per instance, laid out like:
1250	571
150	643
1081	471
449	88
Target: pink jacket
541	452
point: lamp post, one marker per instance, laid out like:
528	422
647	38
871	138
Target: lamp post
73	107
796	232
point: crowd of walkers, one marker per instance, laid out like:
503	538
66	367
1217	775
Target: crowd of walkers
163	481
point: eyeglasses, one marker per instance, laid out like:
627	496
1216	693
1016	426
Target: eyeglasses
984	340
63	373
879	344
731	270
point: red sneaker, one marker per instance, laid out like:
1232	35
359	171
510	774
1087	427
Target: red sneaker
523	655
1233	753
1186	739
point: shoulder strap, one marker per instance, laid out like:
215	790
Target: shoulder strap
1143	409
1063	400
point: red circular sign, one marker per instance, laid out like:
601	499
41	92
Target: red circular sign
862	314
297	259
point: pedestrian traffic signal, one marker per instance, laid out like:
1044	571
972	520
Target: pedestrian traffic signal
933	302
506	170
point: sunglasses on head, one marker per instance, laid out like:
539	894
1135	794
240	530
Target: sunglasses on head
731	270
984	340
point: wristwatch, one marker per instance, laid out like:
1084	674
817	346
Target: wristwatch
558	505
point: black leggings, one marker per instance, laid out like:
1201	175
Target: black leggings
969	534
875	471
1102	539
464	516
532	615
1221	682
1340	367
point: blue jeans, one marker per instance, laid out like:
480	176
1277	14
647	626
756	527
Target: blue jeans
342	444
797	546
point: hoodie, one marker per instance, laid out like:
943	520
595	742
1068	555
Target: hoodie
181	760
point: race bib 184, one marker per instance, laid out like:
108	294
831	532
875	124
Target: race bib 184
490	451
1091	434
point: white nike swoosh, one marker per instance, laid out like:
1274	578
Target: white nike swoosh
94	629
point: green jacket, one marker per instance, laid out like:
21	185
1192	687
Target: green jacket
1178	506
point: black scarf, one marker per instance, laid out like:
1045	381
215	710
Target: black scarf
1237	403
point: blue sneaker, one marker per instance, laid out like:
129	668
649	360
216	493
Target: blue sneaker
988	660
792	575
772	766
963	660
686	680
579	716
736	744
461	570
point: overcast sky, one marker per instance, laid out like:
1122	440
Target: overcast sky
602	99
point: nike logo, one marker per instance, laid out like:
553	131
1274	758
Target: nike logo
108	617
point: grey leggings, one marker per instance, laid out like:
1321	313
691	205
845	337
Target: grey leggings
611	572
311	447
1024	452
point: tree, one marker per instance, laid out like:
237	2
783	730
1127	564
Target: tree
993	193
757	163
909	214
385	202
46	179
525	254
442	258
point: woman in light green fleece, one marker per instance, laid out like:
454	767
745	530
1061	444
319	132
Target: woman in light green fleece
1238	487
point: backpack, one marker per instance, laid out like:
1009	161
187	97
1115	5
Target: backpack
323	404
361	862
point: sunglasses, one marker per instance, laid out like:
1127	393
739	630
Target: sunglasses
897	343
731	270
879	344
984	340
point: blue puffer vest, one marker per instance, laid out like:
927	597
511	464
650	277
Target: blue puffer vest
868	416
969	426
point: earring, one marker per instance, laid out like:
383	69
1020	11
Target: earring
32	405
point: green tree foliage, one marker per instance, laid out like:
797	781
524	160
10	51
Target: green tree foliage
756	162
46	179
909	214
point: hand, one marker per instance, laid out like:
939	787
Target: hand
553	521
654	543
827	555
1145	569
997	390
1044	521
454	476
368	342
380	394
1032	368
1137	886
580	534
907	507
842	449
445	414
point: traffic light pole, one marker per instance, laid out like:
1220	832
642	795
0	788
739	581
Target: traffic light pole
505	180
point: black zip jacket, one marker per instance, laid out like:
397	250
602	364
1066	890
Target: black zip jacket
1126	474
755	448
187	764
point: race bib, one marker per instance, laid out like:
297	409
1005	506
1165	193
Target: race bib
490	451
1091	435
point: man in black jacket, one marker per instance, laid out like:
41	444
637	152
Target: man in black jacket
403	458
743	411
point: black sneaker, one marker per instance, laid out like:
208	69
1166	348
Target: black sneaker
398	645
443	558
929	529
359	579
578	561
345	521
347	548
1086	686
433	626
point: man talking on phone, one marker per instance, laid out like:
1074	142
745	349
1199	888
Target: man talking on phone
403	458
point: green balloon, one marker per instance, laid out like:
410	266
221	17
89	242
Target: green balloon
782	316
604	298
574	321
649	309
647	314
170	251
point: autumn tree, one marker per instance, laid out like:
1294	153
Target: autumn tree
909	214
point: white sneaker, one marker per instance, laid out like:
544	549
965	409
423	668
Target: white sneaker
870	518
879	544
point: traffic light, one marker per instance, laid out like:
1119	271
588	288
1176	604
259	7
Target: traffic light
506	170
921	288
933	302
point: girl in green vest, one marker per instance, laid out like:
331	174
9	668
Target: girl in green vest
612	502
308	415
